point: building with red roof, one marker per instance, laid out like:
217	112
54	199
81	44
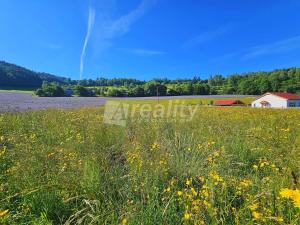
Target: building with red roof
229	102
277	100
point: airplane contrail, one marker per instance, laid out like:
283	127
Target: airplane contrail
91	20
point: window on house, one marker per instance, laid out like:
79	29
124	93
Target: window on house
292	104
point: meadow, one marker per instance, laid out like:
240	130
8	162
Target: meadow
226	166
16	90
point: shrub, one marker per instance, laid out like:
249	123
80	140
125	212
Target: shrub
83	92
50	90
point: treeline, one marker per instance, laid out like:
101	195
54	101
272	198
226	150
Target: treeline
284	80
154	88
104	82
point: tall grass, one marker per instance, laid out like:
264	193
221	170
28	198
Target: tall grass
226	166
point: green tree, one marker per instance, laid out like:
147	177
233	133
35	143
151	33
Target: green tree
50	90
83	92
138	91
153	88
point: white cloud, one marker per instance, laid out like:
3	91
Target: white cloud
207	36
107	30
279	47
122	25
91	20
147	52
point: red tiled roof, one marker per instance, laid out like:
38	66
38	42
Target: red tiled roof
287	96
228	102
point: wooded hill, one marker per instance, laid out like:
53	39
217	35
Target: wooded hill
13	76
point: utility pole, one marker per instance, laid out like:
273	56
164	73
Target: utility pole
157	93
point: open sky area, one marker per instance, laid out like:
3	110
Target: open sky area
147	39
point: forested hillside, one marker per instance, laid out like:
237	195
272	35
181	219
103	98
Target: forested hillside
18	77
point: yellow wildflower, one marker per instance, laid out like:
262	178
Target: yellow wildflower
51	154
168	189
196	202
3	152
187	216
210	159
204	193
179	193
286	193
155	146
207	204
262	164
172	181
201	222
253	207
256	215
216	154
124	221
194	192
291	194
245	183
201	179
196	208
285	130
188	182
279	219
4	212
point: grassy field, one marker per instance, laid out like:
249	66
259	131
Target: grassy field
188	101
225	166
29	91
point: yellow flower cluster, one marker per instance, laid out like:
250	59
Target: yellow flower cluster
2	152
215	154
285	129
263	163
155	146
293	195
216	178
255	214
195	197
243	184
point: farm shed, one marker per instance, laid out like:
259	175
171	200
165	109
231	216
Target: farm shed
277	100
231	102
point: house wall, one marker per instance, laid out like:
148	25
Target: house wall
295	102
275	102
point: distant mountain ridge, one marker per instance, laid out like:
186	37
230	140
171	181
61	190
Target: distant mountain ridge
12	75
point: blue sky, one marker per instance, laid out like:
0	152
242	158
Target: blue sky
147	39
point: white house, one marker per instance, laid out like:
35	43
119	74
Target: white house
277	100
